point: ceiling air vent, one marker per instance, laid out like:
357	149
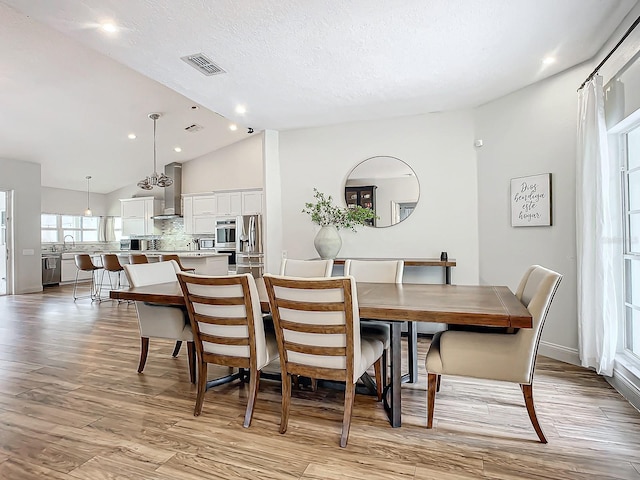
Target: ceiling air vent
203	64
194	128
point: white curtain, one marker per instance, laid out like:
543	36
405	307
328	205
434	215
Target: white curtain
597	226
106	231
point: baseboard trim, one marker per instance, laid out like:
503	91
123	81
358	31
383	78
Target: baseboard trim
559	352
626	383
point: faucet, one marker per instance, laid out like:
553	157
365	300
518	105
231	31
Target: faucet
64	242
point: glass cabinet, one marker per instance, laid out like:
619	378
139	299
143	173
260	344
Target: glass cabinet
364	196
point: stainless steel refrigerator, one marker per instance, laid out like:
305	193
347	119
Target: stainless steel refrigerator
249	253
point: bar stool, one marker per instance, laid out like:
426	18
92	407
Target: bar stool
111	264
85	264
137	258
166	258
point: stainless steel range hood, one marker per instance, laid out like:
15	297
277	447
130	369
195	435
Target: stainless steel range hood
172	193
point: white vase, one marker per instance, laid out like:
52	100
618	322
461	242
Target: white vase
328	242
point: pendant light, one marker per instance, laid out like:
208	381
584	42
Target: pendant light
88	212
155	180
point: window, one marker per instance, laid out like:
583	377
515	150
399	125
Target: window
631	172
117	228
54	228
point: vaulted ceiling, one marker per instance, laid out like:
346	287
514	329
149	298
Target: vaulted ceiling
71	92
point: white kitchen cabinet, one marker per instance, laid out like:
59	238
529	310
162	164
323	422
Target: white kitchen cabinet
187	213
229	204
204	224
69	269
252	202
199	213
204	205
137	215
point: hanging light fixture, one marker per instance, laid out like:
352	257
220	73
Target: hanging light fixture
88	212
155	180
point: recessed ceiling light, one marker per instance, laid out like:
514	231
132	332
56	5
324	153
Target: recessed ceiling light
548	60
177	149
241	109
131	136
233	127
109	27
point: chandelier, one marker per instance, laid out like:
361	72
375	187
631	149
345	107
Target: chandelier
155	180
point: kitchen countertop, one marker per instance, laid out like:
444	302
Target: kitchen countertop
152	253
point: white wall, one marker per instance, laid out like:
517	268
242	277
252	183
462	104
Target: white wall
529	132
439	147
237	166
72	202
24	179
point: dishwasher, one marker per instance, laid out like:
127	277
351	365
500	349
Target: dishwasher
51	269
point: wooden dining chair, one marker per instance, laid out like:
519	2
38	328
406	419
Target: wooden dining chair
318	332
507	357
138	258
228	330
306	268
381	271
160	321
176	258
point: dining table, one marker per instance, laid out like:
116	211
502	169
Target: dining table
478	305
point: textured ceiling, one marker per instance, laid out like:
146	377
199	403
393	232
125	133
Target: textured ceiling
292	63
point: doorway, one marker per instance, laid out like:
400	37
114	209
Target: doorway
5	243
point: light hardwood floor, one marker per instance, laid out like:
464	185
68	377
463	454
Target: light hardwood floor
73	406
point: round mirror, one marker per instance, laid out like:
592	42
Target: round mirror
387	185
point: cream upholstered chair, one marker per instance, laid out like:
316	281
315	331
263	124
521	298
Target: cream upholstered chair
497	356
378	271
160	321
306	268
228	329
318	332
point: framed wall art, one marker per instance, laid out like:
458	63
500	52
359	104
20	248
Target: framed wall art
531	201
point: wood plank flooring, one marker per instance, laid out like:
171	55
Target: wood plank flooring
72	406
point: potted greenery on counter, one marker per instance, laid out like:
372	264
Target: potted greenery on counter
331	218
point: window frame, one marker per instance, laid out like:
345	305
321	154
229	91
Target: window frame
628	257
77	233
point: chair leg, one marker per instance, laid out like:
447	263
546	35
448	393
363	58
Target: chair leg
349	396
202	387
379	380
438	384
254	382
176	349
191	354
432	380
75	286
314	384
527	391
144	350
286	402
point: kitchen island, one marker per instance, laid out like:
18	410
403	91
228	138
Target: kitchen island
205	263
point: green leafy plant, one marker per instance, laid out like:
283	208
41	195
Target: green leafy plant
324	212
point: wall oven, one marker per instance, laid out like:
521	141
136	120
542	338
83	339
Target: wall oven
225	234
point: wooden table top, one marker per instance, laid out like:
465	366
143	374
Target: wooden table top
456	304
